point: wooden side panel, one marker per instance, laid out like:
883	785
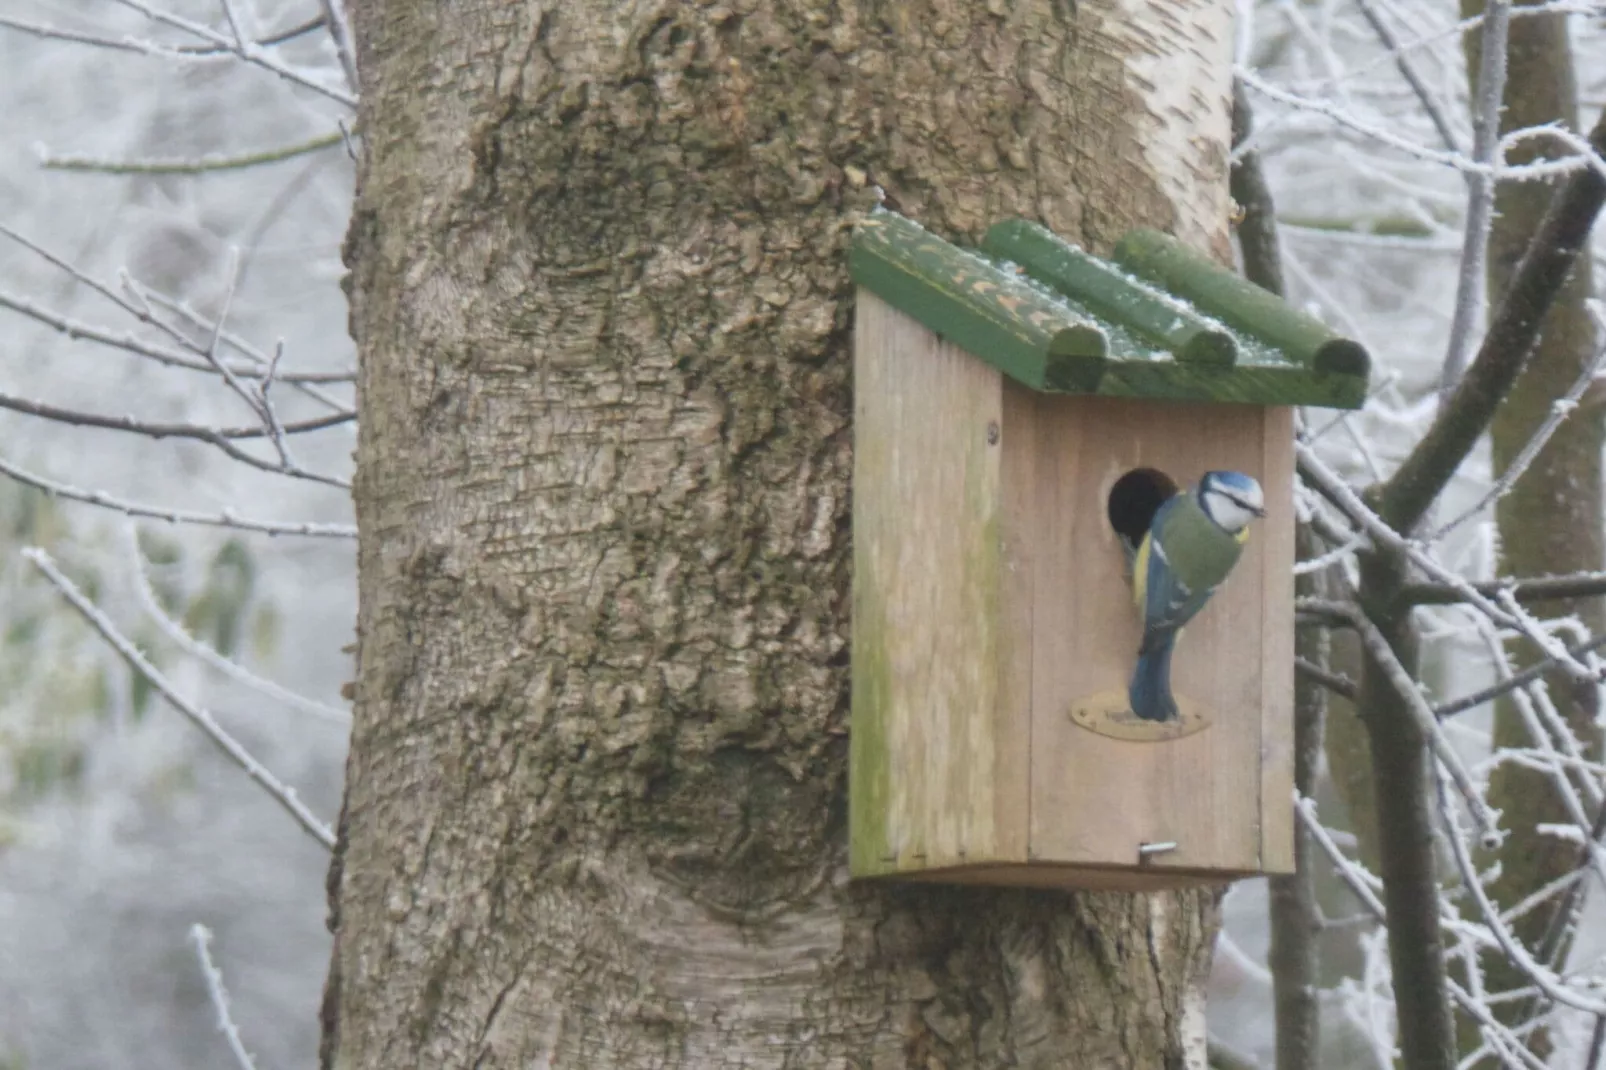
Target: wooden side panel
926	597
1095	799
1277	695
1012	720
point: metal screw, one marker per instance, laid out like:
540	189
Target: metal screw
992	432
1147	851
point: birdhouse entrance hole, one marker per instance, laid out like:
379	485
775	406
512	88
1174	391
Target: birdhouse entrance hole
1134	500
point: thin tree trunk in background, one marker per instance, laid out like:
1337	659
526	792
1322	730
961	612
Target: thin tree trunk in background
1552	521
1295	919
1292	909
594	810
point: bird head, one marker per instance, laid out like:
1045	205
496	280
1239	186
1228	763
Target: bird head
1231	499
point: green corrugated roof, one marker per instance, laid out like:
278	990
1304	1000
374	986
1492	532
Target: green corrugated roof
1159	320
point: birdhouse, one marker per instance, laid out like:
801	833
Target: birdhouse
1021	413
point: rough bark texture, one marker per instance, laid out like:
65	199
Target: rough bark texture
1552	520
594	812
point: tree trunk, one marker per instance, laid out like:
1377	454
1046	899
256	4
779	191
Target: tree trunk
1551	522
595	804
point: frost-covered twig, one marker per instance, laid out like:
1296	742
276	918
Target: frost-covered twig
224	519
1560	409
1539	277
129	44
1530	589
202	938
193	165
1456	160
1335	682
1362	883
1383	656
1337	555
1327	482
1407	67
210	351
199	716
1509	945
186	642
152	299
200	432
76	330
220	438
137	302
245	49
1520	679
1559	751
334	16
1473	280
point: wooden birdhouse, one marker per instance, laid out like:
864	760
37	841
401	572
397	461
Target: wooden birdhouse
1016	408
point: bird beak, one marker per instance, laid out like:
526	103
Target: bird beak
1259	512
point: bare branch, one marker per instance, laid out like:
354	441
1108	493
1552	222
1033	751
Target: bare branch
240	345
1362	884
224	519
202	938
1509	944
1560	409
246	50
1337	683
200	717
311	25
186	642
334	16
139	303
1407	67
1462	420
1520	679
125	341
126	44
199	165
155	430
1575	165
1316	473
1533	589
1410	695
1472	284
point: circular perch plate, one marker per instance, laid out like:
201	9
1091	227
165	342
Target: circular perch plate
1109	714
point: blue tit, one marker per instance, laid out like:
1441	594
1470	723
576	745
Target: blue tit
1192	543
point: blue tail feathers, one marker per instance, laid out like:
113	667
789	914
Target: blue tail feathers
1150	693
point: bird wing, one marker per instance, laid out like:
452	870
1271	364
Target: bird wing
1168	603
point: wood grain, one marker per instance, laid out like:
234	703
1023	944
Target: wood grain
1277	645
927	599
989	592
1095	799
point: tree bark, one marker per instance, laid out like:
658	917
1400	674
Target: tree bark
595	804
1551	522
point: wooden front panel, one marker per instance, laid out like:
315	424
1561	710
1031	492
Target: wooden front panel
1095	799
